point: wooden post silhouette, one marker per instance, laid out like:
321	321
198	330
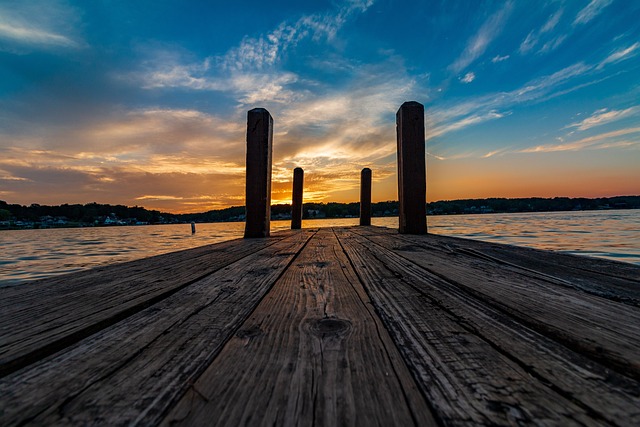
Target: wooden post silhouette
258	179
365	197
296	199
412	177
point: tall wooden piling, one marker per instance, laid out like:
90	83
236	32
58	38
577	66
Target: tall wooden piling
365	197
412	178
296	199
258	178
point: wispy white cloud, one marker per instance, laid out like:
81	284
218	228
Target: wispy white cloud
493	153
255	53
541	86
173	129
6	176
552	44
38	25
450	118
349	120
169	70
499	58
435	156
35	36
601	141
590	11
552	22
129	155
619	55
468	78
185	190
478	44
545	36
603	116
148	138
159	197
463	122
528	43
251	71
325	131
256	88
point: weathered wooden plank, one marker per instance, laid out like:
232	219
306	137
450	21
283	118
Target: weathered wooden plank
618	281
312	353
606	396
40	318
604	330
132	371
467	380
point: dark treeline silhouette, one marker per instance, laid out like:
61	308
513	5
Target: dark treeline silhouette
76	213
92	214
532	204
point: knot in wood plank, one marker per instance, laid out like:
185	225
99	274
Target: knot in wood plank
251	332
330	327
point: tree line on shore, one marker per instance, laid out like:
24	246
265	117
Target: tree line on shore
92	214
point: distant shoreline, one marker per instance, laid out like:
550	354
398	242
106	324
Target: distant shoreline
16	217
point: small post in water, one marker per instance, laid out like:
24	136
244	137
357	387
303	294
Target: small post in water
365	197
412	172
193	227
258	179
296	202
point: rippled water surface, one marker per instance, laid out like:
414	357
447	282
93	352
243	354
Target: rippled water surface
34	254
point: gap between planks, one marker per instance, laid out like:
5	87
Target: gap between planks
605	330
132	371
312	353
602	394
46	316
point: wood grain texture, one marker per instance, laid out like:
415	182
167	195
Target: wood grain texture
132	371
258	175
296	198
313	353
607	397
617	281
412	172
365	197
603	330
40	318
282	331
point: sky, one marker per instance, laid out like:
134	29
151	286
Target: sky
145	102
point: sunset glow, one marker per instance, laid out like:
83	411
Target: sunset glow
145	103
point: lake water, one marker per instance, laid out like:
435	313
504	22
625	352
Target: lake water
34	254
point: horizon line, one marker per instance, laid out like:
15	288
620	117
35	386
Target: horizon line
344	203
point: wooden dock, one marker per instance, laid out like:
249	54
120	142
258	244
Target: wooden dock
332	326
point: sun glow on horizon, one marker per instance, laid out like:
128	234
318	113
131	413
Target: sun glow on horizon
520	101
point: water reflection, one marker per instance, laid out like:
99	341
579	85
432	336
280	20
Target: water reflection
33	254
607	234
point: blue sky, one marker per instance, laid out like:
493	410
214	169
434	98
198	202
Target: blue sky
144	103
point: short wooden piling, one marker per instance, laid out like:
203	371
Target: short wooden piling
365	197
258	176
296	199
412	181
